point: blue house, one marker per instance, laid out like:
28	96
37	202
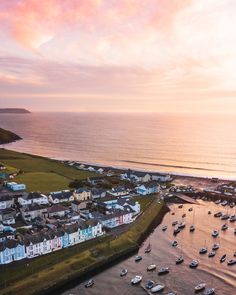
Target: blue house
148	188
11	250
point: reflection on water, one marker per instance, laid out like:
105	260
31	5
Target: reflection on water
199	145
181	278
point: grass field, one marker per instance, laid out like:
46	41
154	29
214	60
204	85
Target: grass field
51	269
41	174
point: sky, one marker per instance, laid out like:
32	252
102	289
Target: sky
118	55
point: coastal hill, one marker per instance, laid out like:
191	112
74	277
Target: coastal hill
14	111
8	136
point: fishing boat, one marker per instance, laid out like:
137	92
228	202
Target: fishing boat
179	260
151	267
224	217
194	263
215	233
224	227
138	258
89	284
124	272
216	246
149	284
158	288
181	225
176	231
174	243
211	254
218	214
209	291
200	287
164	228
232	218
163	270
224	203
203	250
174	223
223	258
231	262
136	280
148	249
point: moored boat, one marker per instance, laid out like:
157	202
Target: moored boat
151	267
158	288
209	291
179	260
89	284
149	284
200	287
232	218
218	214
223	258
174	223
203	250
164	228
224	217
212	254
224	227
181	225
209	212
138	258
216	246
231	262
192	228
215	233
124	272
136	280
174	243
163	270
194	263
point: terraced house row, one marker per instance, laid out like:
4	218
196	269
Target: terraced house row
19	246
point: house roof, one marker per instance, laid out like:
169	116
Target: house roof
4	198
56	208
61	195
81	190
33	207
10	244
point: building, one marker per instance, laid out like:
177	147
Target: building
57	211
33	198
98	193
11	250
161	177
6	201
7	216
82	194
76	206
15	187
61	197
151	187
95	180
119	191
124	204
33	211
136	176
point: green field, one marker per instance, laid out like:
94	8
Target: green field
41	174
32	276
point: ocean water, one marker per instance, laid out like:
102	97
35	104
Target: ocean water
202	145
181	278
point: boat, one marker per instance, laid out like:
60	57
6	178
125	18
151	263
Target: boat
173	213
217	202
215	233
218	214
179	260
223	258
224	227
158	288
180	206
136	280
174	223
209	212
224	217
232	218
138	258
231	205
174	243
89	284
184	215
148	249
215	246
209	291
163	270
224	203
192	228
150	284
231	262
190	209
200	287
124	272
181	225
151	267
203	250
194	263
212	254
164	228
176	231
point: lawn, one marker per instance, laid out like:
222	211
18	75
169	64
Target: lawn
53	174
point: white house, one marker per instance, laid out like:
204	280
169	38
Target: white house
61	197
136	176
6	201
148	188
162	177
33	198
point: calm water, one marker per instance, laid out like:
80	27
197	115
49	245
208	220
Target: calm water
199	145
181	278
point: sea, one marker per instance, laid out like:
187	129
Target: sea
186	144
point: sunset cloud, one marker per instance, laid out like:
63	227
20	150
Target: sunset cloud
154	50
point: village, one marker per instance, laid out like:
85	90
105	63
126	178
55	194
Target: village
35	223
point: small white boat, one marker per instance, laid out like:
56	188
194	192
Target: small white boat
203	250
223	258
200	287
194	263
209	291
181	225
215	233
231	262
192	228
164	228
124	272
179	260
174	244
89	284
224	227
215	246
158	288
136	280
212	254
163	270
151	267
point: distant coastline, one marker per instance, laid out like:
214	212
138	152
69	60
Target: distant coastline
14	111
7	136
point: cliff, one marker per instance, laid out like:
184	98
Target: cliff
8	136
